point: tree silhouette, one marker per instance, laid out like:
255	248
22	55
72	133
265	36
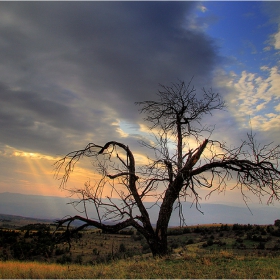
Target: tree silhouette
185	160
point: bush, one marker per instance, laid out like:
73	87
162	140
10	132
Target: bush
190	241
261	246
224	228
79	259
186	230
221	243
64	259
126	232
174	245
27	234
210	242
95	251
175	231
239	240
146	249
275	232
122	248
239	246
59	252
277	223
258	238
137	237
242	227
197	229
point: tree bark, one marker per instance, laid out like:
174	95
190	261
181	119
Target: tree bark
158	246
165	212
171	195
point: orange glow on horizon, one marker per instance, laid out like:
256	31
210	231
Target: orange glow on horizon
33	173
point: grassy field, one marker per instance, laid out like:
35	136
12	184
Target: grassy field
222	264
205	251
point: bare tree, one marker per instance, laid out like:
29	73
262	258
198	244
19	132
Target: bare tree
185	160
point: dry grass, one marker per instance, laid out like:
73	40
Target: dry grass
222	264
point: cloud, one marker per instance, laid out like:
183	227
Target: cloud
277	107
72	71
202	8
277	40
267	48
272	9
254	100
251	46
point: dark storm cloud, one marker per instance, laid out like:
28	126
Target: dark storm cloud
70	70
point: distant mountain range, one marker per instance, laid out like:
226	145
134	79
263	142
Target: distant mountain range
14	221
35	206
53	208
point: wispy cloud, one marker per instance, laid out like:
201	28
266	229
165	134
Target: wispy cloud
202	8
277	40
254	100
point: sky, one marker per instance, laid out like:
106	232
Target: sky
71	72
